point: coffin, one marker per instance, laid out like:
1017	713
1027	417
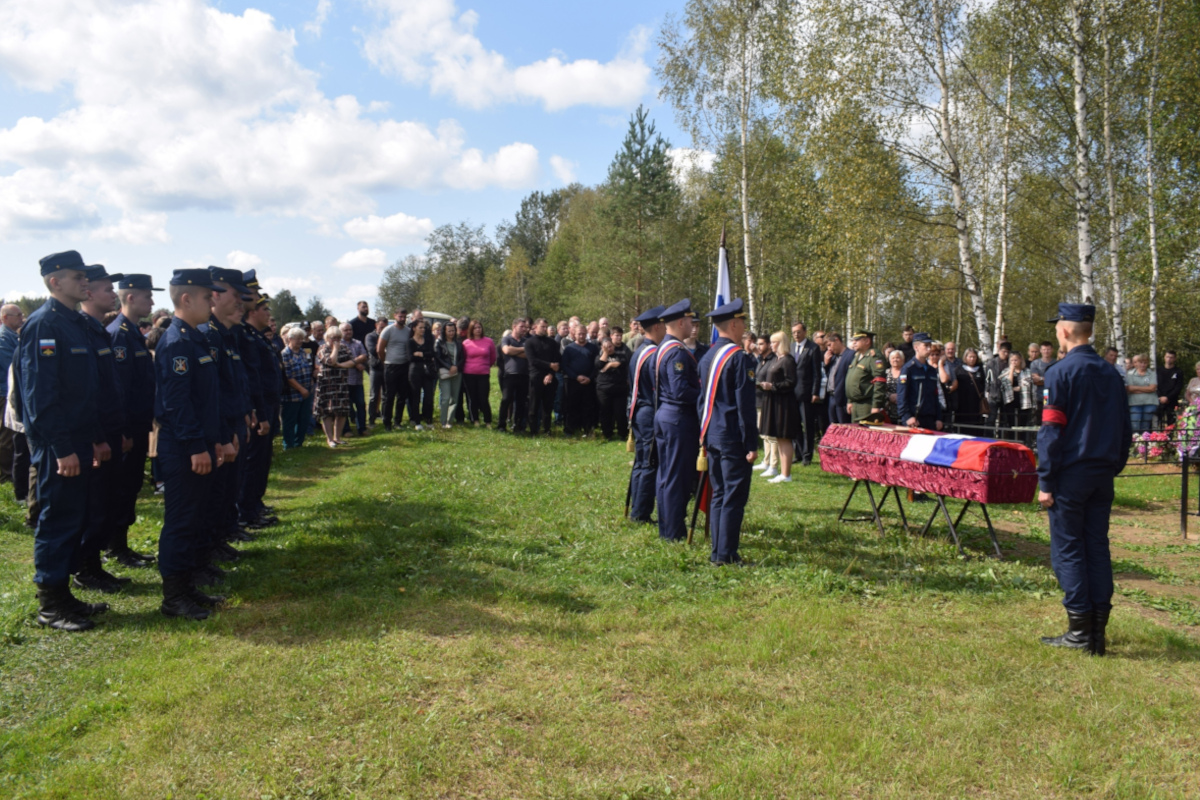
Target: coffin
951	465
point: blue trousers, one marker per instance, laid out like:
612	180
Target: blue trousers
729	474
63	515
130	474
677	435
358	407
184	538
1079	551
1141	417
102	507
296	416
641	499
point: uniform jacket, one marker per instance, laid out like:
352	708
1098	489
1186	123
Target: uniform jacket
187	404
109	394
866	380
917	392
732	425
675	376
643	376
1085	420
59	380
135	374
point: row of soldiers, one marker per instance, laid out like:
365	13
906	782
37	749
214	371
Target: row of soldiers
688	417
89	397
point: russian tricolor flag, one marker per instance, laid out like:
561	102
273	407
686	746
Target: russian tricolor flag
950	450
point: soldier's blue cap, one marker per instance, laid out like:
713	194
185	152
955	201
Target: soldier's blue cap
97	272
732	309
1074	312
194	277
922	337
250	280
651	316
58	261
678	311
233	277
137	282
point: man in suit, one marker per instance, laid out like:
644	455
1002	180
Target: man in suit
808	386
838	366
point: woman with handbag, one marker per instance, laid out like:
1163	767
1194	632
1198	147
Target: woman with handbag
447	355
972	401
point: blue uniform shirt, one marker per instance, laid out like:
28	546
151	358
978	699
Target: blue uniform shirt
187	404
1085	421
917	392
109	396
59	380
135	374
642	377
233	349
675	377
733	425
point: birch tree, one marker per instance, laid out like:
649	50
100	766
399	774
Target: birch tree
1151	220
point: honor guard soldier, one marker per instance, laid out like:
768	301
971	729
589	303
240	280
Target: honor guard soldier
110	406
135	374
187	407
1082	445
676	425
866	379
641	416
728	429
58	402
270	364
257	361
917	392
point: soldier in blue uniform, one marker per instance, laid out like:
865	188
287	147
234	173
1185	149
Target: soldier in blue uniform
676	425
58	403
135	374
187	406
1082	445
87	570
258	465
728	429
917	392
641	416
258	365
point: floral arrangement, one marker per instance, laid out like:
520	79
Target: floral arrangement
1155	444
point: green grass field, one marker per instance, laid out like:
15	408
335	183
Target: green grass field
465	614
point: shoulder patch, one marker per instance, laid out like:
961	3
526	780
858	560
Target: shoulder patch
180	365
121	353
750	373
879	363
679	366
47	347
904	377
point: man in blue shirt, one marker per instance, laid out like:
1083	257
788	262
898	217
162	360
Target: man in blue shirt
1082	445
917	391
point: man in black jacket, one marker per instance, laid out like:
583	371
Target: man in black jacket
808	386
1170	385
544	357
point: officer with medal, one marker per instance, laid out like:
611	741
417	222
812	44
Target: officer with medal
676	424
58	391
917	392
728	429
866	378
641	416
135	374
1082	445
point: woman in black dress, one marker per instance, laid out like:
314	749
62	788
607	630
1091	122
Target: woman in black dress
764	358
970	393
780	413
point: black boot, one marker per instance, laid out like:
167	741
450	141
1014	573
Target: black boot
1078	635
86	609
209	575
97	580
1099	623
177	599
56	609
223	551
201	598
120	550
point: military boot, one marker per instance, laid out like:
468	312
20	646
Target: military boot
55	609
177	599
201	598
1078	635
1099	623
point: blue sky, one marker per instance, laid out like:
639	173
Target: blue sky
317	141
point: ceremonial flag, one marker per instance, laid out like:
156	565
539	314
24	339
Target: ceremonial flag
724	295
953	450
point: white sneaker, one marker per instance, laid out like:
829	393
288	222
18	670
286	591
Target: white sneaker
418	428
759	467
770	473
781	479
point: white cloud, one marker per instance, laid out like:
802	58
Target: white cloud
564	170
686	159
429	42
362	260
178	105
136	229
273	284
314	25
399	228
241	260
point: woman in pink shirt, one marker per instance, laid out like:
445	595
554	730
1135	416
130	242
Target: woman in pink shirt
479	354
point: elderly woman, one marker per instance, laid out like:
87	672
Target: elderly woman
780	414
333	394
297	401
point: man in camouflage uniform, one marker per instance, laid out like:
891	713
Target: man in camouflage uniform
866	378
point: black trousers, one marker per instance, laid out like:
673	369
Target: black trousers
479	389
20	467
514	401
808	430
395	393
420	395
579	407
376	399
541	403
610	407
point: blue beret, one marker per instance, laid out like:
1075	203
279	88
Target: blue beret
57	261
1075	312
233	277
650	316
678	311
97	272
728	311
137	282
922	337
194	277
